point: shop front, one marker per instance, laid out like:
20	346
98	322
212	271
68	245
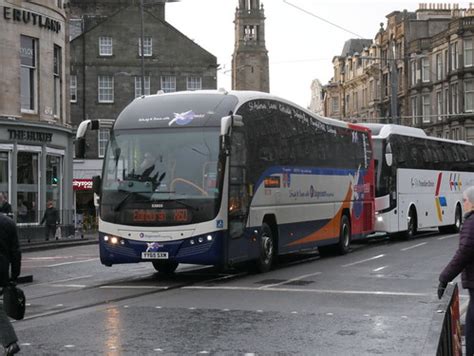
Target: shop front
36	167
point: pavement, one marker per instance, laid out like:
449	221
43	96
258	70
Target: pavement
79	238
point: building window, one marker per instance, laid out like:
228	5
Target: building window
413	72
103	137
468	62
105	46
335	104
193	83
73	89
57	63
454	56
454	99
138	86
425	70
106	89
54	180
27	186
426	107
446	62
414	111
28	60
439	66
469	96
147	48
439	104
168	83
446	101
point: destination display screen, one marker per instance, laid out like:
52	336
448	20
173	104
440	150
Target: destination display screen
161	216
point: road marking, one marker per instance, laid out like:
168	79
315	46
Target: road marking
379	269
366	260
447	237
320	291
73	262
133	287
64	280
289	280
68	285
414	246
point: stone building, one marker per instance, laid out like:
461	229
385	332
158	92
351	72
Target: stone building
372	83
106	69
36	138
442	79
250	68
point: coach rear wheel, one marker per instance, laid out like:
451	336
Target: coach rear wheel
457	223
267	250
165	267
344	244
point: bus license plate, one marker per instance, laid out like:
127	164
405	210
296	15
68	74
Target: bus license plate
155	255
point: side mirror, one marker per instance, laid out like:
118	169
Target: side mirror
80	147
388	155
96	184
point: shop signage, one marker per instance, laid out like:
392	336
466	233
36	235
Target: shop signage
82	184
23	135
28	17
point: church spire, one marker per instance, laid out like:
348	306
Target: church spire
250	69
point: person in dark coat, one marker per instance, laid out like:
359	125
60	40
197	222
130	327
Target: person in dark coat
51	218
463	262
5	206
10	255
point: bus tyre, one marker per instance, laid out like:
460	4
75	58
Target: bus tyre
412	224
344	245
457	223
267	250
165	268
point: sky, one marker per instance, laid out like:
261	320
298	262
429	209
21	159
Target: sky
300	44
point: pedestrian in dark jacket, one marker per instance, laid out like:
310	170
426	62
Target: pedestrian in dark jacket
5	206
463	261
51	218
10	255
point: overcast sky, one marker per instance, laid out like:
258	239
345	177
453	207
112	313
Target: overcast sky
300	45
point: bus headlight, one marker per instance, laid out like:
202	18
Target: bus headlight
379	218
114	240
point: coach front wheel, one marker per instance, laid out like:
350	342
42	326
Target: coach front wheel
165	267
412	224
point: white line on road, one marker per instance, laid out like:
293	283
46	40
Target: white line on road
73	262
65	280
447	237
68	285
379	269
414	246
133	287
321	291
366	260
289	280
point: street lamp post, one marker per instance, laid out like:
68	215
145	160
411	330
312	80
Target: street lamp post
142	42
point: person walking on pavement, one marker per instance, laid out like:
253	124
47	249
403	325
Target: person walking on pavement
51	218
463	261
10	254
5	206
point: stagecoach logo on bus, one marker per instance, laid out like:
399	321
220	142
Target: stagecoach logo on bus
153	246
415	182
180	119
310	193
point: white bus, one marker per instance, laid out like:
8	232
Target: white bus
419	180
219	178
